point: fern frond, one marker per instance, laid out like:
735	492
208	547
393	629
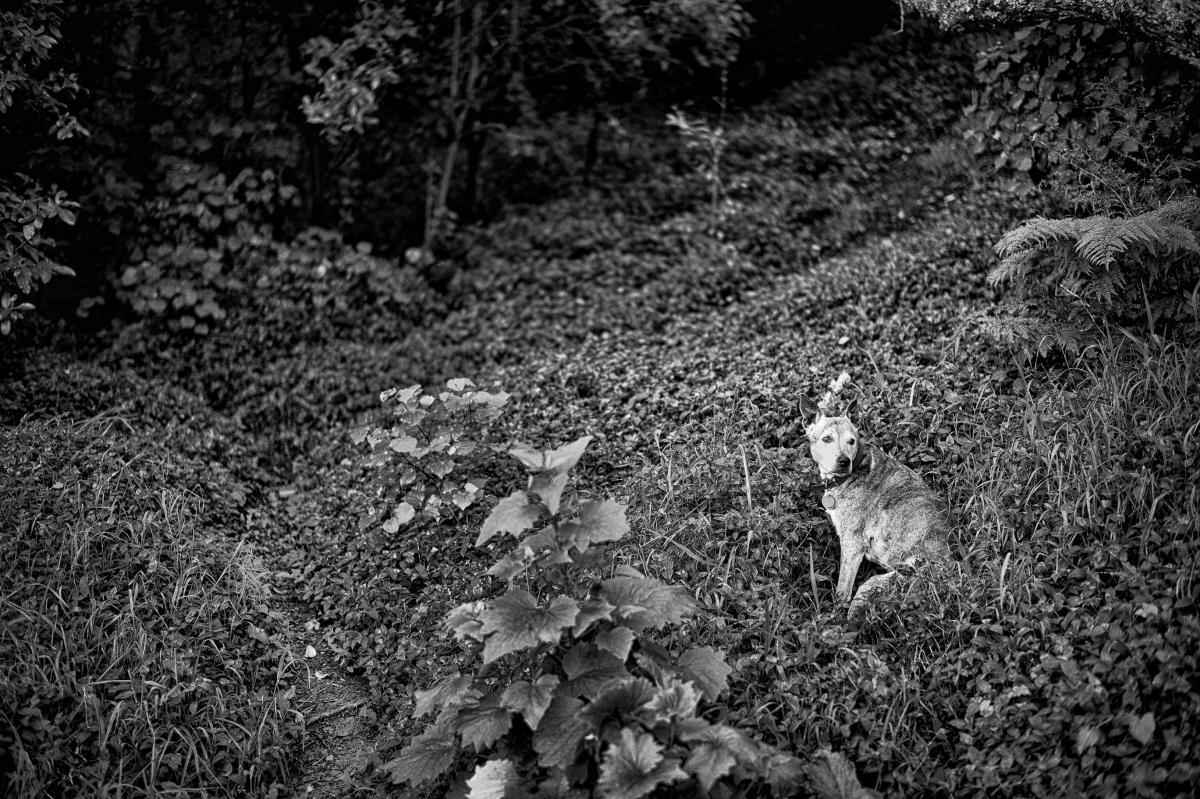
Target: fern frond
1102	238
1104	288
1035	233
1013	267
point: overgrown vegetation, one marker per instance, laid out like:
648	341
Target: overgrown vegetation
178	483
139	651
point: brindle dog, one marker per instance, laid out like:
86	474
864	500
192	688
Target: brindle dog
882	510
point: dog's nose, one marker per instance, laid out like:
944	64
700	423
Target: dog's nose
843	460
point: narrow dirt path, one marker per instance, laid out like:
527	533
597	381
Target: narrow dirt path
339	740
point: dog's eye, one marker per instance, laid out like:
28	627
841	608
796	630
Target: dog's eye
827	439
850	442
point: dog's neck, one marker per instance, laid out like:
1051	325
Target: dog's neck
860	467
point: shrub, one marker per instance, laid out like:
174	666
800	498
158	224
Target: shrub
573	693
199	226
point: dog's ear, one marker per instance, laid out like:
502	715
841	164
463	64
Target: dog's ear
809	412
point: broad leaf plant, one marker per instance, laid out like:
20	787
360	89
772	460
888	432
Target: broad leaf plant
574	697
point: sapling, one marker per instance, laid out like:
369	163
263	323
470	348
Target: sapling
573	693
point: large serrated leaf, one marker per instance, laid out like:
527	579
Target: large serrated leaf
597	522
548	486
465	622
589	669
618	641
591	611
514	514
709	761
426	757
625	701
514	621
560	732
446	692
675	701
707	668
634	767
482	725
832	776
652	603
492	780
530	699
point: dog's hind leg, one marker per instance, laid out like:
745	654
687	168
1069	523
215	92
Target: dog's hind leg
869	590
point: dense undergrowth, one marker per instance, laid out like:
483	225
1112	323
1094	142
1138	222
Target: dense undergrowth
1053	659
140	655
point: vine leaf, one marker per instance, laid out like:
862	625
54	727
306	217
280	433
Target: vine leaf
514	514
561	459
514	621
427	756
676	700
635	766
560	732
707	668
492	779
402	515
447	692
1142	728
530	699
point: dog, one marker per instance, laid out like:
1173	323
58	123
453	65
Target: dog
881	509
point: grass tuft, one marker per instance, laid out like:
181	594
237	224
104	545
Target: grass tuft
135	658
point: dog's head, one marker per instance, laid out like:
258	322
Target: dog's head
833	444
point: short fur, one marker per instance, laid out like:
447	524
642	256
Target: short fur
882	510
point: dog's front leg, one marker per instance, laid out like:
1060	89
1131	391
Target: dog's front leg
852	556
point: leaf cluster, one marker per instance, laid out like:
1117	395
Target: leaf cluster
26	249
573	694
200	223
430	436
1053	90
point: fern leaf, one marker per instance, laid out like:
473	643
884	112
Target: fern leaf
1037	233
1013	268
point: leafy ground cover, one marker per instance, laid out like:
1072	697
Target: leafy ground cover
1053	659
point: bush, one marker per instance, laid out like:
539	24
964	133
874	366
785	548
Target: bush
190	236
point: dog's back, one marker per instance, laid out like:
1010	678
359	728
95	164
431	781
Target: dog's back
892	514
